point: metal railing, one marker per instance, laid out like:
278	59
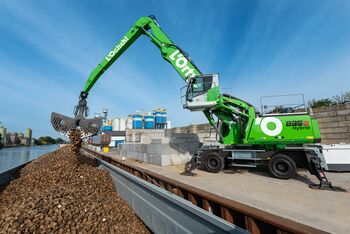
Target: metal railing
278	108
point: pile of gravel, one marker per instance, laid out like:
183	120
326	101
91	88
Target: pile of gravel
60	192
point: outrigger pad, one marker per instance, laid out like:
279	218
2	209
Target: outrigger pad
189	167
188	173
327	186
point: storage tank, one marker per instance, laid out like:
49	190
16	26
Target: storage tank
137	121
149	121
107	128
122	124
128	123
158	117
116	124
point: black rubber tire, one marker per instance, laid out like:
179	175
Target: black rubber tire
214	163
282	167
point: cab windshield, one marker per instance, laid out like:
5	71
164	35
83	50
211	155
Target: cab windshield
198	86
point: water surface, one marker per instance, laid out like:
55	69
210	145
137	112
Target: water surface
14	156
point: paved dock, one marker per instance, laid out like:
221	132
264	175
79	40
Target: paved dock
292	199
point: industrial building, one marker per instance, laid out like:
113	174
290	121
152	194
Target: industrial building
15	138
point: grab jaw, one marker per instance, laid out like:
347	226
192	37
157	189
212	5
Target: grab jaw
65	124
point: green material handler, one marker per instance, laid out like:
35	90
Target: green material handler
283	141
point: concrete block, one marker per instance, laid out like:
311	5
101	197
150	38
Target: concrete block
131	147
183	135
142	157
176	161
160	141
343	112
345	135
331	119
165	160
333	141
142	148
326	114
330	136
344	124
333	130
203	135
153	149
185	158
132	154
328	125
202	127
332	108
156	160
160	160
147	158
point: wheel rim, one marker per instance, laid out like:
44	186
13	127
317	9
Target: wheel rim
282	167
213	163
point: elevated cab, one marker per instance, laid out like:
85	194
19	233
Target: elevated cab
202	92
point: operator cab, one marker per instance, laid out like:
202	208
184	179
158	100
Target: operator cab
201	92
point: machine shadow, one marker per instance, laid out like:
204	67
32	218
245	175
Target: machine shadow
185	143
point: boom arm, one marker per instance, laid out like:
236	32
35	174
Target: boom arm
224	108
149	27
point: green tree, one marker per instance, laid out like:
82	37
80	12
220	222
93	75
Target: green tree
342	98
46	140
320	103
36	142
59	141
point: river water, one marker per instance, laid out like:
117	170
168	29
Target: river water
14	156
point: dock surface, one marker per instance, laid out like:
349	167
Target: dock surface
292	199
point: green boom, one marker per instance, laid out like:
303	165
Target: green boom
169	51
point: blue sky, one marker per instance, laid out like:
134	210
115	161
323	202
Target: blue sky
49	48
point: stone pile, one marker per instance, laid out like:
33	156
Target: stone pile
62	193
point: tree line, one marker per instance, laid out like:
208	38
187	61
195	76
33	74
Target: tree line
47	140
